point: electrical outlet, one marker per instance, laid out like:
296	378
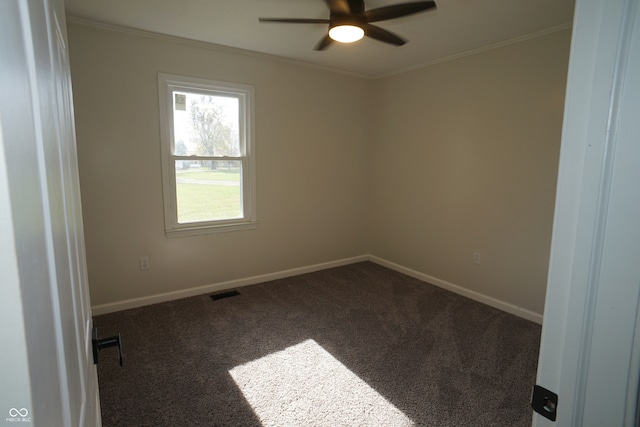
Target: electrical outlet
144	263
476	257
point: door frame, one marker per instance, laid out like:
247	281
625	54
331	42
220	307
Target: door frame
589	347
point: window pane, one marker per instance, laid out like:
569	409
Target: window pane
208	190
205	125
207	148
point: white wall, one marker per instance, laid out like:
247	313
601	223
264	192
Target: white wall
420	169
465	159
311	168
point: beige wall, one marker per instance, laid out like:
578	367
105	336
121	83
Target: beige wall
453	158
465	159
311	172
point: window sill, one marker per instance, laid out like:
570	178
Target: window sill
195	230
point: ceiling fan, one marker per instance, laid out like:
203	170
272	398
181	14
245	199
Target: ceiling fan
349	21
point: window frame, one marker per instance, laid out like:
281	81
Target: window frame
245	94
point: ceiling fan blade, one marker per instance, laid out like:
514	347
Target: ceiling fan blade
295	20
397	10
339	7
324	43
382	35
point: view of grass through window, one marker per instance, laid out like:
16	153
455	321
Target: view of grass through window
206	194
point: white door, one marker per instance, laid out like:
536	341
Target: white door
48	313
590	345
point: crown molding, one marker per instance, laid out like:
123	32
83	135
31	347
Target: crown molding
208	45
275	58
486	48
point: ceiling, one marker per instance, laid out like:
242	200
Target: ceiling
455	27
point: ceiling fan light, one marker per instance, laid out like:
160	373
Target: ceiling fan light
346	33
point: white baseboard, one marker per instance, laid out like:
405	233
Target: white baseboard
231	284
169	296
476	296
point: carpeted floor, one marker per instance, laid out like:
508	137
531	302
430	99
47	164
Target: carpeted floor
359	345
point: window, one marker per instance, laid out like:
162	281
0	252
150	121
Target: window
208	168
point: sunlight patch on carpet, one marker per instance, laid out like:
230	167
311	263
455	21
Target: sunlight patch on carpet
305	385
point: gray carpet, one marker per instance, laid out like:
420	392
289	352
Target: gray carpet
359	345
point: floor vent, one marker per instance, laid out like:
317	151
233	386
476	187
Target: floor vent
226	294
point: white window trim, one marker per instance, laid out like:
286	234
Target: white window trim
166	84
